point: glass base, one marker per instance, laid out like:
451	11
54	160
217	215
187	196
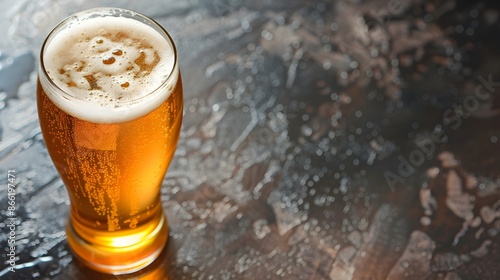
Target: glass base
119	255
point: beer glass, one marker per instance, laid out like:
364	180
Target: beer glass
110	103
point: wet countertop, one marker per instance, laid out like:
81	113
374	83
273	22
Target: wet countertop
321	140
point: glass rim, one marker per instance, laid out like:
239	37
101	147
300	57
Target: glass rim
108	12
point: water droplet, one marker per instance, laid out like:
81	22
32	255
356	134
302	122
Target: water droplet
334	26
280	20
425	221
474	13
267	35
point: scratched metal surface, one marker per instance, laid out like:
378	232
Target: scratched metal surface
321	140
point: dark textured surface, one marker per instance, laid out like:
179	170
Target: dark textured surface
321	140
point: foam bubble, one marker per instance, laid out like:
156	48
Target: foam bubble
109	66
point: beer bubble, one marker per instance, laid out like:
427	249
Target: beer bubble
117	52
108	60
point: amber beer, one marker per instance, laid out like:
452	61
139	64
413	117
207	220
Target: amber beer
110	107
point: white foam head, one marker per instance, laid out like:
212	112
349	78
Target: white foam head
110	69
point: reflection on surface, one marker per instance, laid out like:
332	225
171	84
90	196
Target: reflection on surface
157	270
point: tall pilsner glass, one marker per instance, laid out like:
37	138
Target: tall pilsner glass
110	105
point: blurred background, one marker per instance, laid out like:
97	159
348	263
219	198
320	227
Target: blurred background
321	140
